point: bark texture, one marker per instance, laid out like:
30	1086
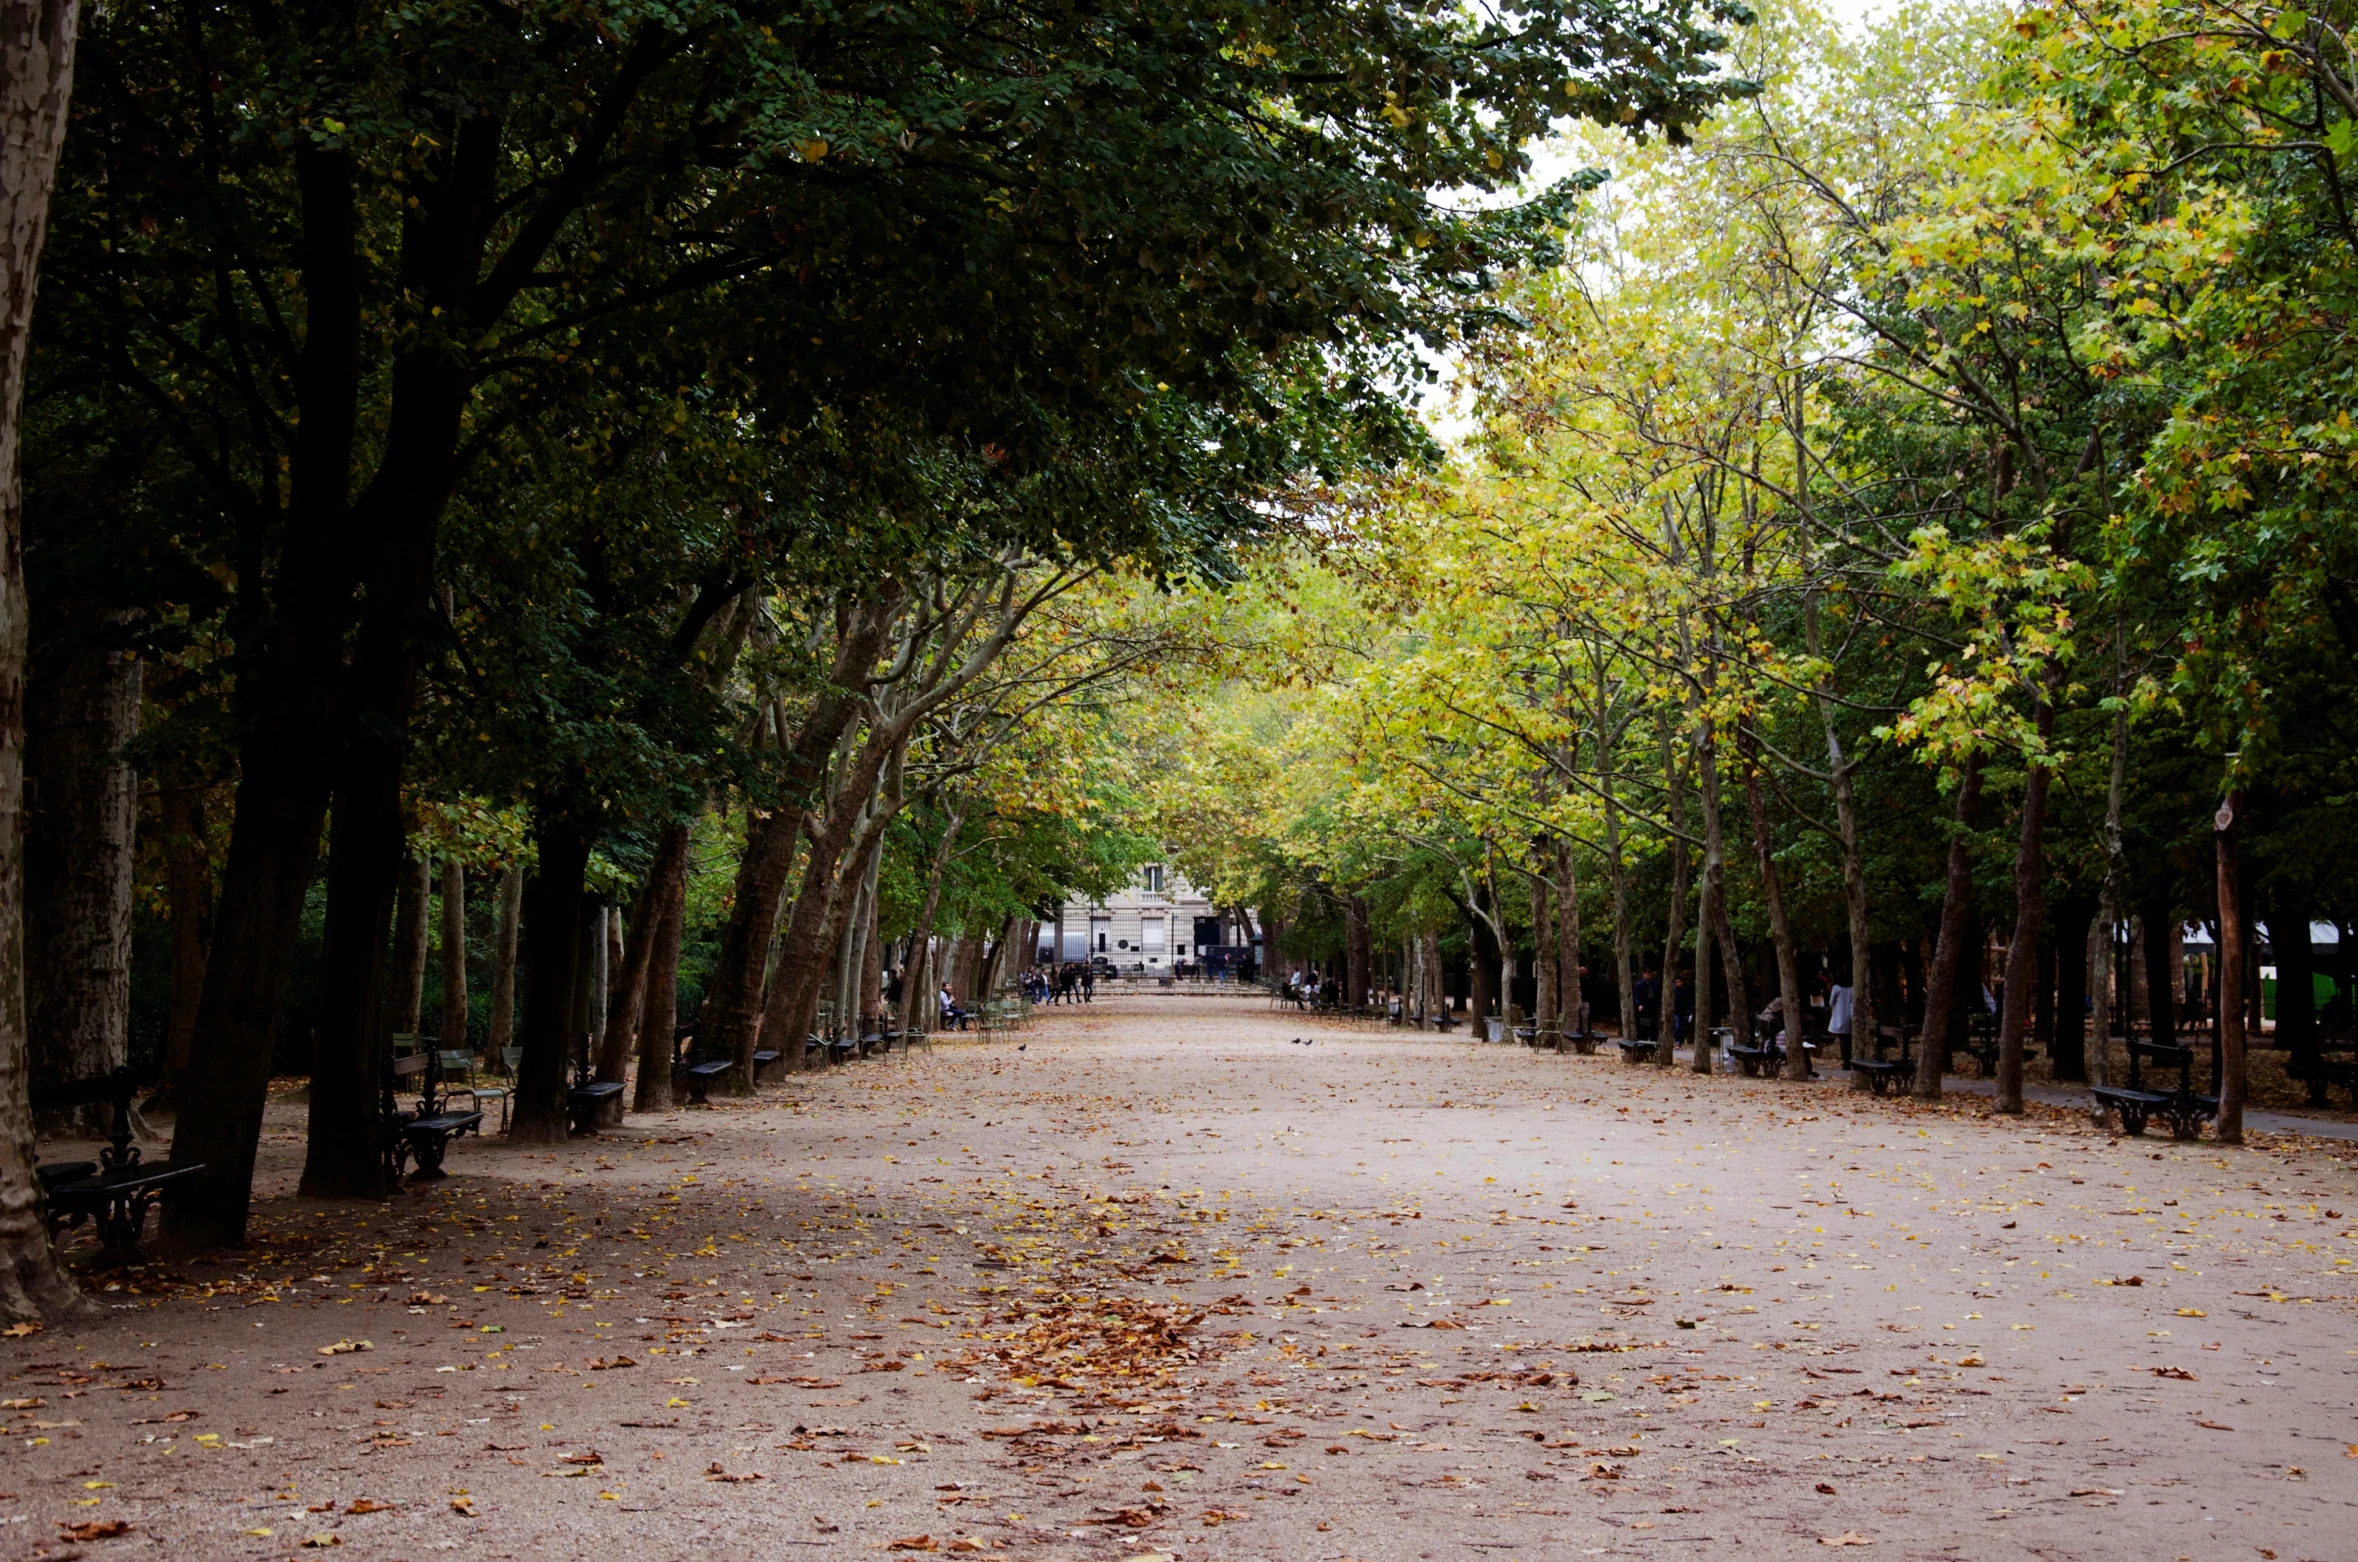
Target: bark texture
552	911
407	986
188	872
81	819
2233	934
36	76
2030	909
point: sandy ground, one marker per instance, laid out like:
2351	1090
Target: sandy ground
1152	1280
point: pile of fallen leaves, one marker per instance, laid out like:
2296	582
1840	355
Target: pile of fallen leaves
1090	1341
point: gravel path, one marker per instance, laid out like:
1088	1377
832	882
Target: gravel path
1152	1280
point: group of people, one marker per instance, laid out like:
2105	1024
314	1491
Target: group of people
1075	981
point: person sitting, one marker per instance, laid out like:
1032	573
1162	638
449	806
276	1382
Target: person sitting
953	1017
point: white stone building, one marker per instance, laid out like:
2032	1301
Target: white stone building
1159	921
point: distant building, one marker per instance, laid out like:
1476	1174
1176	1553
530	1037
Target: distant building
1158	922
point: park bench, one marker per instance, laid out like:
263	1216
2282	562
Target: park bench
1879	1071
1636	1050
766	1057
690	1068
1583	1042
425	1134
842	1049
588	1095
460	1064
115	1191
1445	1022
1981	1041
2183	1109
1751	1061
2321	1071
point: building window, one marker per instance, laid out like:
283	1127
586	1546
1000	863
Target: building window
1101	943
1154	879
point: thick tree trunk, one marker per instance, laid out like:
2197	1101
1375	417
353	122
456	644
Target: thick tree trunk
597	926
1485	999
455	1009
732	1013
1948	951
81	820
503	966
2030	910
805	957
188	877
36	75
407	984
552	975
2232	934
625	1012
1854	863
361	1002
658	1017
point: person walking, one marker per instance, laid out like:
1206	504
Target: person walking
1089	982
1838	1017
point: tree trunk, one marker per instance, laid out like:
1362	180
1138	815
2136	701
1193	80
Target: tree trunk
1357	957
731	1018
1948	951
455	1012
2030	910
1854	864
81	819
188	876
1713	910
918	984
1675	928
658	1015
1571	1000
1543	949
503	967
1484	1000
36	75
2232	933
1772	892
629	1002
597	924
360	1001
410	927
2101	937
552	960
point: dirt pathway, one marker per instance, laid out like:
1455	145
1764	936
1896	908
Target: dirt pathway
1152	1279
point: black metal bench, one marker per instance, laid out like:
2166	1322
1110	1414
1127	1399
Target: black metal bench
1877	1070
424	1134
587	1096
2183	1108
1637	1051
115	1191
689	1066
1750	1061
842	1049
766	1057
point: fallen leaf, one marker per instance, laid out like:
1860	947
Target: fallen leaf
602	1364
20	1331
322	1540
2180	1373
363	1505
345	1347
2214	1426
914	1543
97	1529
2095	1491
1849	1537
463	1505
1827	1487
